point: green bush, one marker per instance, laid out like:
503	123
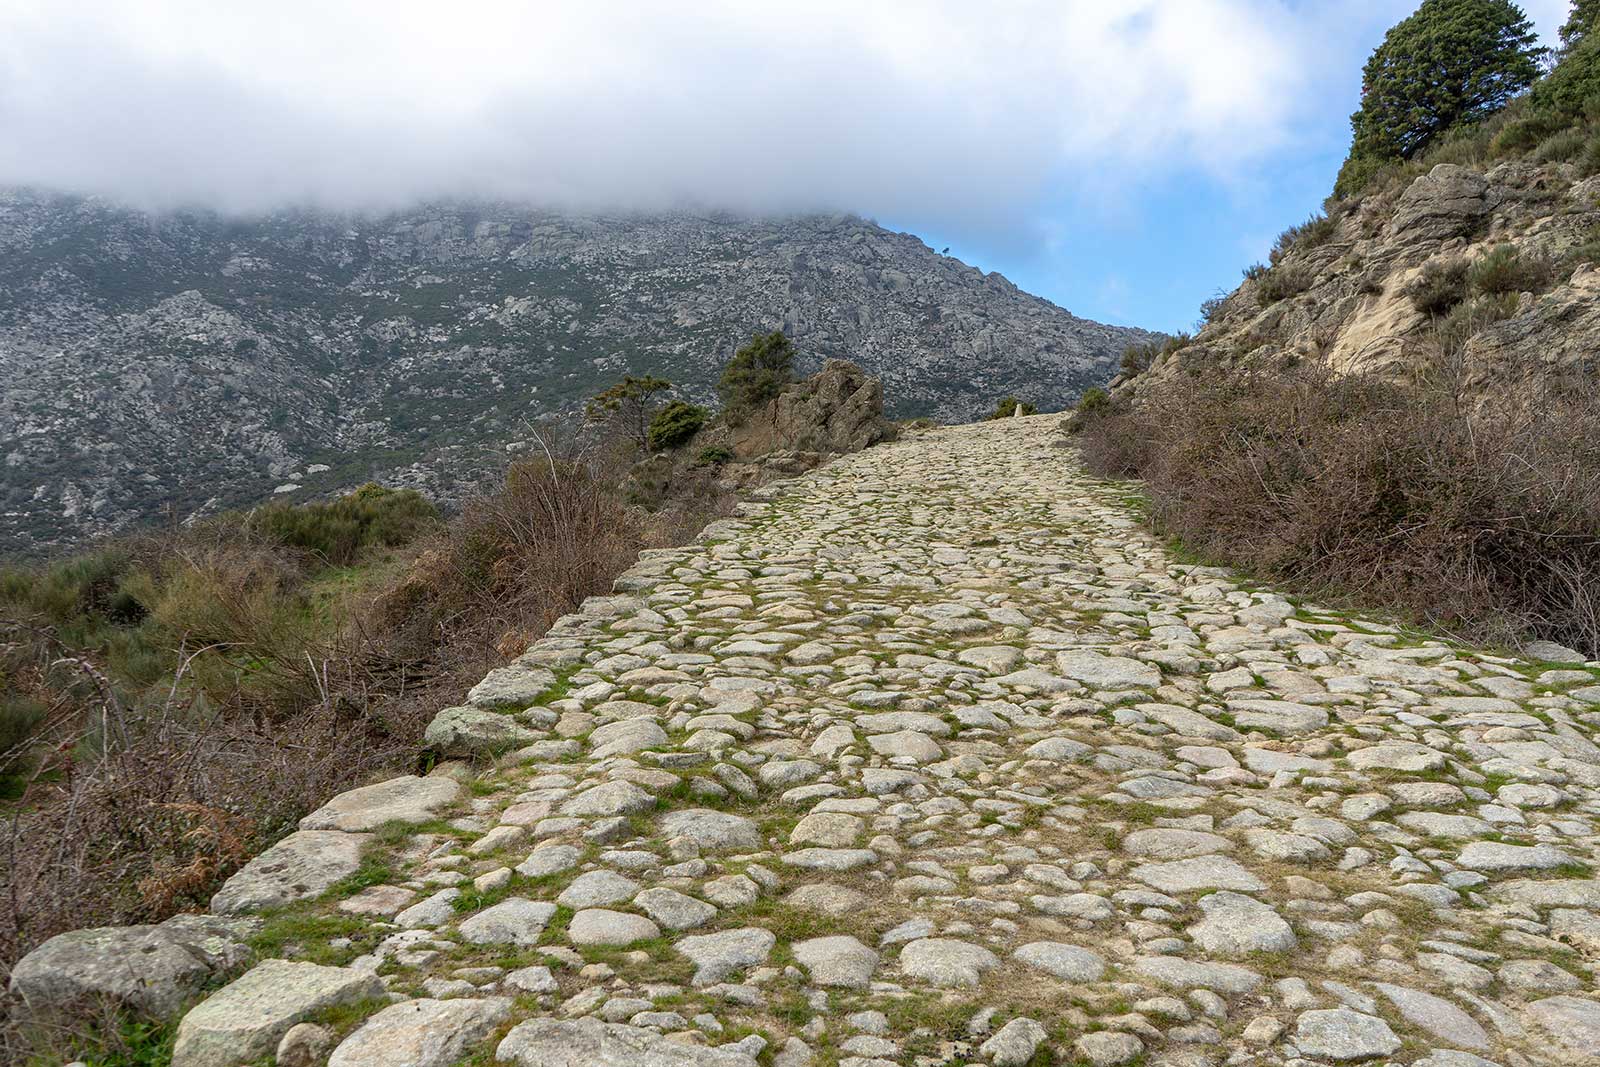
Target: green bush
1136	359
338	532
627	407
1440	287
714	456
757	373
1094	401
1354	486
1589	162
675	424
1561	147
1506	270
1006	407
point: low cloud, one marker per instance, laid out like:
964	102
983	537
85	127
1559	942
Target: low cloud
968	117
938	109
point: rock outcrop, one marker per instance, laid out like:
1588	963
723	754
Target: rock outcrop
1350	301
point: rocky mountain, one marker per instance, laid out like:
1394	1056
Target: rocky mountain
169	365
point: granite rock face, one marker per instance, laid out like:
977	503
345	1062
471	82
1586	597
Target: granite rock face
328	343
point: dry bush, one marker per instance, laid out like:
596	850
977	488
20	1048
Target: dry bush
1485	522
158	753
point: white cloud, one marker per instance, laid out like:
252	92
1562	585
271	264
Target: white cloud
970	114
937	108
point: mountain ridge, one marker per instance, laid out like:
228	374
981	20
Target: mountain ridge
179	363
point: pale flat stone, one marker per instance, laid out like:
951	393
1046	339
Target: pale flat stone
837	961
515	685
153	969
674	910
1190	974
713	831
1107	672
304	864
1342	1034
600	926
946	964
244	1021
1068	962
1201	872
422	1033
406	799
514	921
1277	716
592	1043
1439	1017
1171	844
717	956
1237	925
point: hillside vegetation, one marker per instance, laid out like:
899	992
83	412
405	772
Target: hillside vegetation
1403	405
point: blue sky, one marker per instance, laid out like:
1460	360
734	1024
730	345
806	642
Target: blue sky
1124	158
1149	257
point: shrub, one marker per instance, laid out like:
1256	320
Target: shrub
714	456
1487	523
1589	161
1136	359
1281	283
1006	407
1565	92
1504	269
1471	317
1212	307
1561	147
757	373
1094	401
1313	233
338	532
674	424
1441	286
156	750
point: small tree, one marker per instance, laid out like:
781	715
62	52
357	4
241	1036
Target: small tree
628	406
1452	61
757	372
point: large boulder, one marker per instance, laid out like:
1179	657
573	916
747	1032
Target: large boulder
1449	201
153	970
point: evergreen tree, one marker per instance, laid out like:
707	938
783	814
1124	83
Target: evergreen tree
629	406
1585	17
1452	61
757	373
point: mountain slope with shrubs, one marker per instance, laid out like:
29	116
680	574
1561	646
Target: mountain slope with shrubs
184	364
1403	404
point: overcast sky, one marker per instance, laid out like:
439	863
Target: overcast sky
1121	157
